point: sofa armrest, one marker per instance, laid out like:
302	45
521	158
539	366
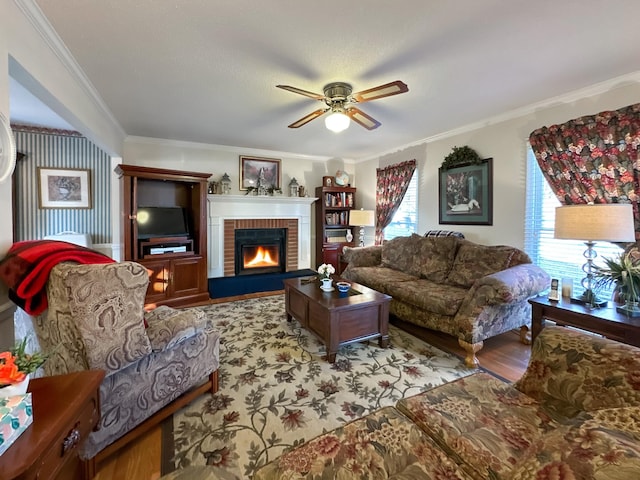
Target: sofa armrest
168	327
571	371
512	285
370	256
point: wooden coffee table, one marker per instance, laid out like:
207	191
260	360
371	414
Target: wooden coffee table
338	318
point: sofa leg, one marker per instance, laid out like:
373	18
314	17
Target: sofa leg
213	378
471	360
525	335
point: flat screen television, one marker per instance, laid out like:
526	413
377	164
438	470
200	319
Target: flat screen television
156	222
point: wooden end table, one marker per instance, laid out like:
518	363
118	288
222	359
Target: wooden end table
66	408
338	318
605	321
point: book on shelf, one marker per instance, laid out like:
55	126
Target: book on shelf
339	200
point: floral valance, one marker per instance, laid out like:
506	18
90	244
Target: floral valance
593	158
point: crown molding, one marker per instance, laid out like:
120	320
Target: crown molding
226	148
570	97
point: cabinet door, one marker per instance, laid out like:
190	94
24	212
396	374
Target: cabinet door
186	277
159	275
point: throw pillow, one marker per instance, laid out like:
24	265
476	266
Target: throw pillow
400	253
435	257
475	261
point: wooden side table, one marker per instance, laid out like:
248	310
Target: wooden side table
66	408
605	321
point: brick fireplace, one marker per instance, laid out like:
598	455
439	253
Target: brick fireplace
230	212
291	248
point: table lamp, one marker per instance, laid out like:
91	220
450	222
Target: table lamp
362	218
608	222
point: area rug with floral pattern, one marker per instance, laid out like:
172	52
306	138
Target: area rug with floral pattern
277	391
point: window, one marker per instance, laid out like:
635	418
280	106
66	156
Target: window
405	220
559	258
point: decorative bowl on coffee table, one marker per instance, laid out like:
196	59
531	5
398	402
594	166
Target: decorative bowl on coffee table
343	287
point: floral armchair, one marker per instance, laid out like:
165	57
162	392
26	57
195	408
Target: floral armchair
96	320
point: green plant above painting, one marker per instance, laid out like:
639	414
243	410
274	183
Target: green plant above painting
461	156
466	194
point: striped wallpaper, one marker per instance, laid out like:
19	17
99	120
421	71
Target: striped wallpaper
60	151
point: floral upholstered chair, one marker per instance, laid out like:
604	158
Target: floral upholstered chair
96	320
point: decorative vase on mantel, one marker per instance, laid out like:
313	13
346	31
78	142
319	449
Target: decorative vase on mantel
326	284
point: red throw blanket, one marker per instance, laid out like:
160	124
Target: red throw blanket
25	269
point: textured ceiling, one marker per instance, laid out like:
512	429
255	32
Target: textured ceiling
205	71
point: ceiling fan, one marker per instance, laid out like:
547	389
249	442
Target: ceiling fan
340	99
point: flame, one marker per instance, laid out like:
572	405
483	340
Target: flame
261	259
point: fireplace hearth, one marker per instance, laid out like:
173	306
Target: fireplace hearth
260	250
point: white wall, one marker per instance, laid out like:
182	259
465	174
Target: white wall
218	160
505	142
6	325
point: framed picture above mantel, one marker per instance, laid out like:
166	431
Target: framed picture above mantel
259	172
466	194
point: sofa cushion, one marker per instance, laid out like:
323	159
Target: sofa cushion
106	303
606	446
474	261
435	257
384	444
430	296
378	278
481	420
400	254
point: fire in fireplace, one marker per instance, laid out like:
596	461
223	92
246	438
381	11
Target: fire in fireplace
260	250
257	257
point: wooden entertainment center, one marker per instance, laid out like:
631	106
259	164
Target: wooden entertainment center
177	264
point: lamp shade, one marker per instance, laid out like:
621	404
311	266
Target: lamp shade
362	218
609	222
337	121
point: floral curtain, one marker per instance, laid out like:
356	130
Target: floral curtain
391	185
593	158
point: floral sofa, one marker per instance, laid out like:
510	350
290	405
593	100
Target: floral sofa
574	414
467	290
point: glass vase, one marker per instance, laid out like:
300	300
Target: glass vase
630	309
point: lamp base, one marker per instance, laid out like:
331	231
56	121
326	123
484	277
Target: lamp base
590	299
630	309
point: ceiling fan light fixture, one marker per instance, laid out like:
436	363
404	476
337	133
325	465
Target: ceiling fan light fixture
337	121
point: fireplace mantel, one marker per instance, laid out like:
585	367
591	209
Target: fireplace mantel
244	207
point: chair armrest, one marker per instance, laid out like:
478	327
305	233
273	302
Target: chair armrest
370	256
168	327
512	285
572	371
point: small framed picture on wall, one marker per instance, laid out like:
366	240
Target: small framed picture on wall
64	188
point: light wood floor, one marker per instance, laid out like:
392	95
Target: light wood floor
503	355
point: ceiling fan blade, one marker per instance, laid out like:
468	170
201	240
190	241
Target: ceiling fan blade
362	118
306	119
381	91
315	96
